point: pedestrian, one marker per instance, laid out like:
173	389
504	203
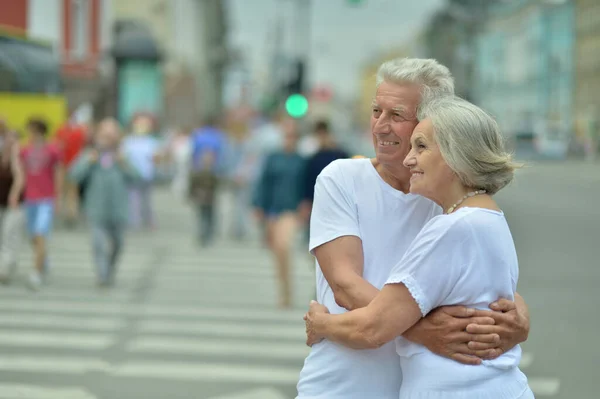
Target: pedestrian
180	154
327	152
277	201
71	139
109	174
43	174
363	221
142	149
202	192
457	160
12	183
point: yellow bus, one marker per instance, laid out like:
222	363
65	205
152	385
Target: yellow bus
30	82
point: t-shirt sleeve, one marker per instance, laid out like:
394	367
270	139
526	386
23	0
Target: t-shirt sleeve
433	264
334	213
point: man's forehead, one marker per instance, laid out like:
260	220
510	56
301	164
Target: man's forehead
396	105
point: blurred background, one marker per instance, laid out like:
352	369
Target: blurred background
204	91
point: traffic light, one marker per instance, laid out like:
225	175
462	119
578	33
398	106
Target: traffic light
296	105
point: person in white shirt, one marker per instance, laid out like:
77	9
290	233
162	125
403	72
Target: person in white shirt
466	256
363	220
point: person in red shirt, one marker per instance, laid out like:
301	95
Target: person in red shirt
42	165
71	139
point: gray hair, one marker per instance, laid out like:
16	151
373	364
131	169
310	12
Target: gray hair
435	80
471	143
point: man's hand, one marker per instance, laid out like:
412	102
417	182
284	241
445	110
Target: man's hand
443	332
510	326
311	321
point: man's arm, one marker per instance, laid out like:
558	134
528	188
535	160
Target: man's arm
341	262
511	325
469	335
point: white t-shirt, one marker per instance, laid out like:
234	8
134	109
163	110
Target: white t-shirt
465	258
351	199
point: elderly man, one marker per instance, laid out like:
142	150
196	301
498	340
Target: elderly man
363	220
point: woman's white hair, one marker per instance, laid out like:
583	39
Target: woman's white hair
471	143
435	80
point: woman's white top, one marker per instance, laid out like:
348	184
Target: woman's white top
465	258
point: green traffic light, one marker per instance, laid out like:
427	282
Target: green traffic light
296	105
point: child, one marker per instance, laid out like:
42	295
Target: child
108	175
41	162
203	187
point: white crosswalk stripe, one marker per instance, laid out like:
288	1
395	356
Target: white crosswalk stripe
190	316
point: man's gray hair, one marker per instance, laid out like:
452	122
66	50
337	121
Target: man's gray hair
435	80
471	143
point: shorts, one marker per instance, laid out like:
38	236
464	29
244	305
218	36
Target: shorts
40	215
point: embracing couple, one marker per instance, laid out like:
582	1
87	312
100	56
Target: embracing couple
417	269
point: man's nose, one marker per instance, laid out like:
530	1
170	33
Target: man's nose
382	126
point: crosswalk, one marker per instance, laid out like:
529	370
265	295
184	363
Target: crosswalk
182	322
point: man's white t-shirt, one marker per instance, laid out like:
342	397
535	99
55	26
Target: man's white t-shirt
351	199
466	258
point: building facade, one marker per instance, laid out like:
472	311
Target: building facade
79	32
525	70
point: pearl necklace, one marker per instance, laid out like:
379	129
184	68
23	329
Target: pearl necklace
468	195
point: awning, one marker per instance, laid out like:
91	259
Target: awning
28	67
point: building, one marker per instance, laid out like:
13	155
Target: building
587	67
79	32
524	71
189	34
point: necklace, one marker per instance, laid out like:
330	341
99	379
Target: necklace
468	195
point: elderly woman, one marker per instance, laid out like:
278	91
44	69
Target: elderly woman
466	256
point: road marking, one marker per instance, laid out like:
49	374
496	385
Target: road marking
544	386
208	372
261	393
20	391
168	311
52	364
225	329
219	347
237	271
56	340
227	313
61	322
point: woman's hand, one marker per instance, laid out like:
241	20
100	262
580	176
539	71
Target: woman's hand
312	319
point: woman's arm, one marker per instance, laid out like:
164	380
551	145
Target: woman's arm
390	314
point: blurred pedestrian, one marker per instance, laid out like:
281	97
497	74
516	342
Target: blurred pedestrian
71	139
278	196
43	171
142	149
12	183
327	152
108	173
180	154
240	174
202	192
210	139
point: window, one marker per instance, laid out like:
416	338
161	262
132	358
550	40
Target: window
80	26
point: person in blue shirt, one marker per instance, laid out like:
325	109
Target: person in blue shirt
209	138
278	195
